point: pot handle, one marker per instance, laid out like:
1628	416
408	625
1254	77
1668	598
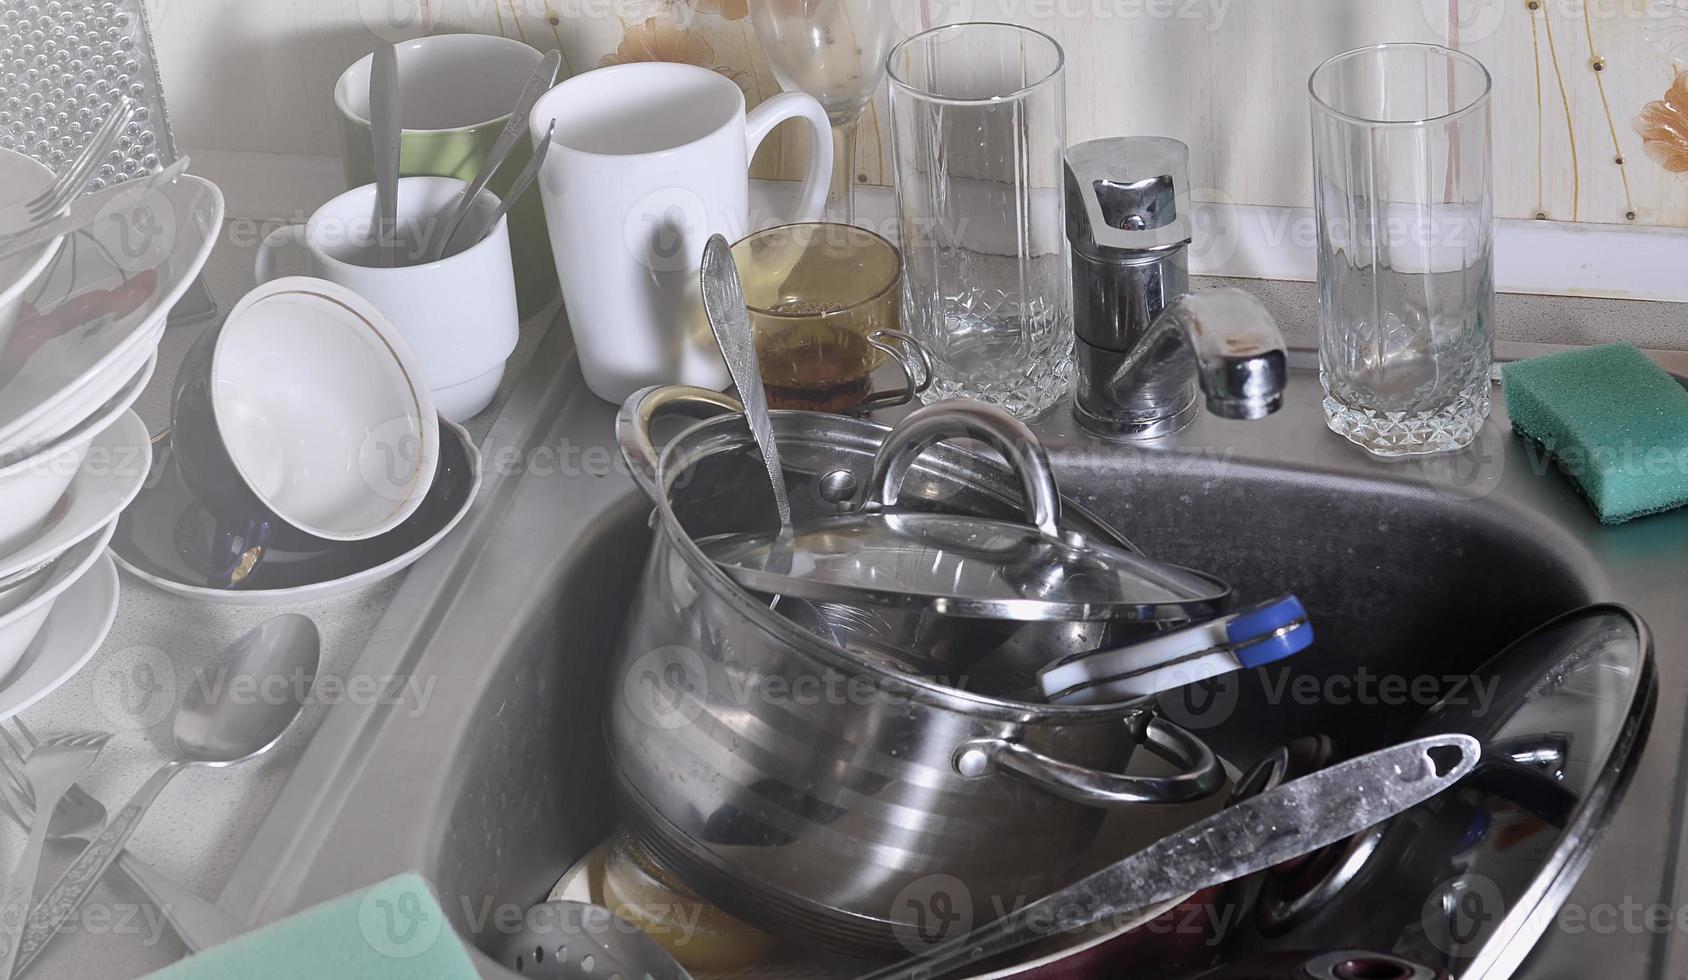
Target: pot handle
1199	773
957	419
633	424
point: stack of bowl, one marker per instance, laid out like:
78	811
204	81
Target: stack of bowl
80	321
301	425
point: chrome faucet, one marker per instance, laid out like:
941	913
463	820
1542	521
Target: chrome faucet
1144	341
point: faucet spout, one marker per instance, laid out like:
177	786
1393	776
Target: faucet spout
1241	360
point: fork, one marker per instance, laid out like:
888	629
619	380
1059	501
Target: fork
65	188
50	771
79	819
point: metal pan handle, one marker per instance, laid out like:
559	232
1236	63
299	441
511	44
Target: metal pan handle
959	419
641	410
1199	773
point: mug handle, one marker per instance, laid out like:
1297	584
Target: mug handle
792	105
287	236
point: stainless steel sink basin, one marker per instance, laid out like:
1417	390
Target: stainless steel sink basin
1421	570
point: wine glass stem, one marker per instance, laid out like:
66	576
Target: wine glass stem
841	199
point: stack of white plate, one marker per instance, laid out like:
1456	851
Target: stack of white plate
80	323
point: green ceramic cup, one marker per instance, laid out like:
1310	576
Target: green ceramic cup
457	91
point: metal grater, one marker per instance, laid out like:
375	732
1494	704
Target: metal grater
63	65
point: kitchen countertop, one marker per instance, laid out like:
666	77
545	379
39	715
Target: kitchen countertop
200	825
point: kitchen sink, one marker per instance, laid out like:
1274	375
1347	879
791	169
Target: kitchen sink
1408	569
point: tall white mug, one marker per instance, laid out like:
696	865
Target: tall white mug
648	160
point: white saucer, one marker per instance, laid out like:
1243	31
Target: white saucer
116	468
68	640
146	547
167	234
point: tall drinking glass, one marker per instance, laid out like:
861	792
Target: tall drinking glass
978	133
1402	186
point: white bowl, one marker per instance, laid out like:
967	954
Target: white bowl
30	487
19	626
22	178
323	410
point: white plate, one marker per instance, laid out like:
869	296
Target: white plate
72	634
102	417
20	624
30	487
69	412
165	499
47	385
111	476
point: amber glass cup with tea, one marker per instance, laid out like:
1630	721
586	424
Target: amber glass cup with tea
825	304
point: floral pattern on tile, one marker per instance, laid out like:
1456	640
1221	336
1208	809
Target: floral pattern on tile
659	39
1663	126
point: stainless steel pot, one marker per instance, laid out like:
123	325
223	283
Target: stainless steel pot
820	794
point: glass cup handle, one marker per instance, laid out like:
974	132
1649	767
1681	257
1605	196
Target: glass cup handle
792	105
287	236
914	360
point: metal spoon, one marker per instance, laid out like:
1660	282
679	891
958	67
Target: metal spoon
538	84
575	941
524	180
386	130
1296	818
238	708
729	317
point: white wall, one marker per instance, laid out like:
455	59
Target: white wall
252	78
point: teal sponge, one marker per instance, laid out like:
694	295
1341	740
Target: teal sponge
1616	423
392	931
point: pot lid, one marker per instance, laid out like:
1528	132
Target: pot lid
963	566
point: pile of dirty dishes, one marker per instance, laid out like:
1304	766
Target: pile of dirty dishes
937	646
305	458
81	317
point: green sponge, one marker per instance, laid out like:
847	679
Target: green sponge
1616	423
392	931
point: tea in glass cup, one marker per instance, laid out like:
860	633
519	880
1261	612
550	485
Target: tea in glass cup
825	305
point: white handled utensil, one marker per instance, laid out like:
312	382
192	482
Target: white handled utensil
1252	637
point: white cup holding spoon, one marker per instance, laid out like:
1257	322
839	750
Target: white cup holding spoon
458	314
